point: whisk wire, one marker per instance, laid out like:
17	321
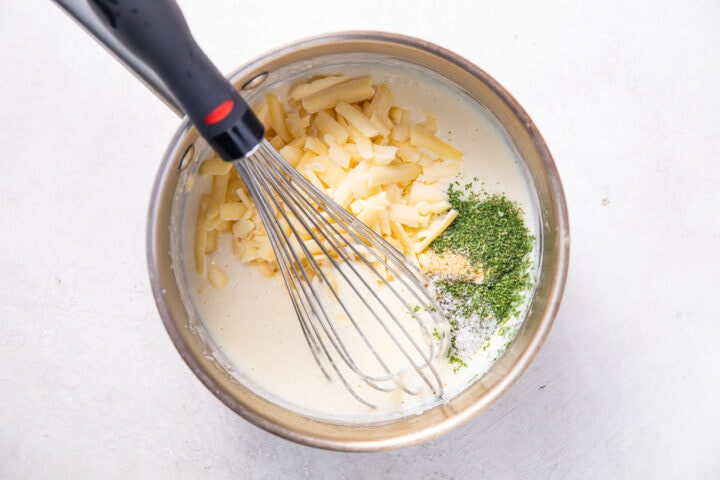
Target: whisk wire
289	198
340	248
292	275
308	216
341	216
382	252
307	305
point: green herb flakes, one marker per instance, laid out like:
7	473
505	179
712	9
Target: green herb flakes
488	231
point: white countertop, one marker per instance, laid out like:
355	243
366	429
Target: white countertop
627	95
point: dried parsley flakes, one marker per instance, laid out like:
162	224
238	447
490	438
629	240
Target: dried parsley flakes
489	231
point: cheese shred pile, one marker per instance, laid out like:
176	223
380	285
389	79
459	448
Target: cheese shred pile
347	137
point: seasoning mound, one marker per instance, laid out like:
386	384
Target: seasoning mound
450	265
490	234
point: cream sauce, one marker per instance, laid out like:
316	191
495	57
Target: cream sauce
252	321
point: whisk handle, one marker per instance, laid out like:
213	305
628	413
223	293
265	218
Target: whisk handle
156	32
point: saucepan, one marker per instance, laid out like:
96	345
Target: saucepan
168	225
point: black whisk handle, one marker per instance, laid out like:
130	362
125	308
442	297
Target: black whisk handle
156	32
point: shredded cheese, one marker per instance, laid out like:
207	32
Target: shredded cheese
347	137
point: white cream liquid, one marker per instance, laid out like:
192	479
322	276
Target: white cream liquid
252	321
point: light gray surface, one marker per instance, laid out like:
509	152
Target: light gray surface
626	386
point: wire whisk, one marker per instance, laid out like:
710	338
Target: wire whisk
365	310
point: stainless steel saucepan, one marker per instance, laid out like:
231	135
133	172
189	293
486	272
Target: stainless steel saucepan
167	228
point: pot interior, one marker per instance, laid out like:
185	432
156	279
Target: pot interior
172	223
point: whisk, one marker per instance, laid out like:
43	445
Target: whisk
366	311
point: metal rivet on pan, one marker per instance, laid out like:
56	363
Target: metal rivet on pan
187	157
255	81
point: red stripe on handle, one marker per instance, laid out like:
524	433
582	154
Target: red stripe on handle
220	112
